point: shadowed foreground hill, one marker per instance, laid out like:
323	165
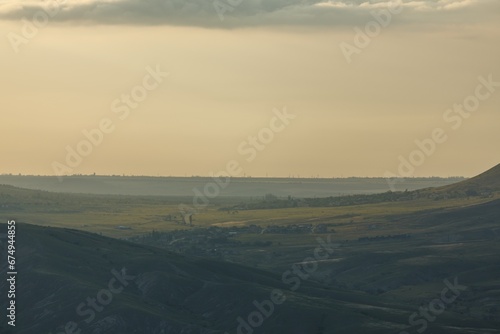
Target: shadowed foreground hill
61	272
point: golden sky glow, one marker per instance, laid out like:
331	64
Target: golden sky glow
352	119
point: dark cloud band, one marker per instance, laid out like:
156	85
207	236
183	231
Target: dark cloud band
238	13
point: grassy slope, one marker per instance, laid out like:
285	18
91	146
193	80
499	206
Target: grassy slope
449	237
488	181
59	268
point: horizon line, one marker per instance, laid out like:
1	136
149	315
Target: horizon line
239	177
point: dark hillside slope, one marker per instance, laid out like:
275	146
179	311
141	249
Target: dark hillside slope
59	269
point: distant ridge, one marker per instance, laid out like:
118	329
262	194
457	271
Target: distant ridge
484	185
488	181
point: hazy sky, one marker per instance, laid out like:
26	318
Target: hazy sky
68	70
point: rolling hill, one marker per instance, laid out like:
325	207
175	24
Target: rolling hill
72	281
488	181
61	272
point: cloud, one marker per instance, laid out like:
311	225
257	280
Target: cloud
240	13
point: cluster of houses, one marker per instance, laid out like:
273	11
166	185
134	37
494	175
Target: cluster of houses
212	240
296	229
385	237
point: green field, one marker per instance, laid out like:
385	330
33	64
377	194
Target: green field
389	258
